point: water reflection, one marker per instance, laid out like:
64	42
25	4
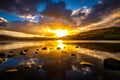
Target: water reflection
63	60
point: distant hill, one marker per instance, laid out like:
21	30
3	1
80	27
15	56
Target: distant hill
8	37
112	33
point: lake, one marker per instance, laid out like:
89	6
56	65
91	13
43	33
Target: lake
57	60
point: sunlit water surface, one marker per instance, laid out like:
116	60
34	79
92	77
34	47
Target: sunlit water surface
61	60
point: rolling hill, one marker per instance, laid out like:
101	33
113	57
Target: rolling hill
112	33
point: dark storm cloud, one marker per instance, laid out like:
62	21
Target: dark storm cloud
21	7
99	11
57	10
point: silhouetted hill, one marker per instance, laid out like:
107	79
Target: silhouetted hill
8	37
112	33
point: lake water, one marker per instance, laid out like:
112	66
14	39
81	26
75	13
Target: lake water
58	60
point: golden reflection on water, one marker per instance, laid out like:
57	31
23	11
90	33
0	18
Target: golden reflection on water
52	48
60	44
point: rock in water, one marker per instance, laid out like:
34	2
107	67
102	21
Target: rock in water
112	64
11	70
2	55
22	53
58	48
10	55
73	55
26	50
2	60
44	48
86	64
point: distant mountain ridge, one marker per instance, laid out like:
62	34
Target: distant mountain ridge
112	33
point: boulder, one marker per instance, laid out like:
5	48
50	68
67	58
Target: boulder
112	64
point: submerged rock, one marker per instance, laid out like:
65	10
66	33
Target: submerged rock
64	52
112	64
51	48
37	49
77	47
44	48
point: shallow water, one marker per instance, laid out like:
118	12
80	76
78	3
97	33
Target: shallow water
58	60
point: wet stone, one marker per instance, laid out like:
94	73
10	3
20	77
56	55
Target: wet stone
86	64
10	55
58	48
44	48
2	60
2	55
39	67
26	50
112	64
22	53
27	66
36	52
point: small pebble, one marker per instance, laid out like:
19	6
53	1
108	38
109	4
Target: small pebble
72	54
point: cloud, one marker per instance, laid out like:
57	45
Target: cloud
3	22
21	7
104	14
99	11
31	18
84	11
111	20
3	19
57	10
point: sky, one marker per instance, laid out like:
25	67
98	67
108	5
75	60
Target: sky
42	17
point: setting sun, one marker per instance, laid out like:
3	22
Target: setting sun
60	33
